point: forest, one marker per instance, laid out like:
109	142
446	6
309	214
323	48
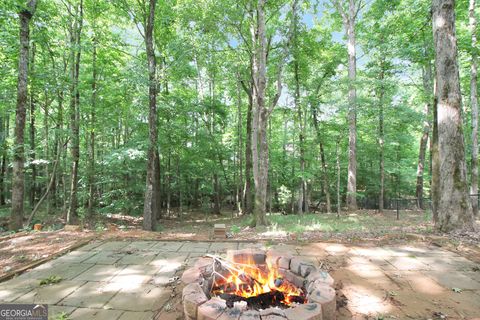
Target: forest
156	109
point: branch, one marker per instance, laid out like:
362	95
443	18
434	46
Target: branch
248	90
340	10
360	6
284	58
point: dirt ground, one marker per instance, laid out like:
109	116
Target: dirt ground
396	293
20	250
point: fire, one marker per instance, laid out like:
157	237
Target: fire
250	280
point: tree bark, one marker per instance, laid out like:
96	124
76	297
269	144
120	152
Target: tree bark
427	87
247	193
261	111
454	204
474	104
302	189
3	170
149	213
75	113
46	150
349	17
33	182
91	165
239	186
259	128
216	195
381	137
18	181
339	200
326	183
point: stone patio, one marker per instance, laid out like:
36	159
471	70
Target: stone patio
130	279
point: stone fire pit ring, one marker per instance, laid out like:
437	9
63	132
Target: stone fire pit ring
317	284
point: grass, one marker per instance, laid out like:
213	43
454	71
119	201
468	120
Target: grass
362	222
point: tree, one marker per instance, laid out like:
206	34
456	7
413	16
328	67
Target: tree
262	111
474	106
91	154
454	206
149	207
349	18
25	15
75	55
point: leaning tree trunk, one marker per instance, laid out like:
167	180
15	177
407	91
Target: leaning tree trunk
474	103
18	181
454	205
149	213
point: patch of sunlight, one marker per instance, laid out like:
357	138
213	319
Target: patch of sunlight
365	301
179	235
314	227
274	231
424	284
125	286
170	266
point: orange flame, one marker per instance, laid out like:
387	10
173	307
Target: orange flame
250	280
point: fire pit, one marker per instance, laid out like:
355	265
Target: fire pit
256	284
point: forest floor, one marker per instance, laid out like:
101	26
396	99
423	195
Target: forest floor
400	287
137	279
23	249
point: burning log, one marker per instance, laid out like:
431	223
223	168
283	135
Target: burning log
262	301
257	285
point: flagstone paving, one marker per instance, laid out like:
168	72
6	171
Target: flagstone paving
122	280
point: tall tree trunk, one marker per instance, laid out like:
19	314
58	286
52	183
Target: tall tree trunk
326	183
381	137
349	17
216	194
261	111
302	186
91	165
149	213
454	204
339	200
247	194
3	170
474	104
352	112
75	113
33	182
239	187
158	186
260	118
47	150
18	181
427	87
